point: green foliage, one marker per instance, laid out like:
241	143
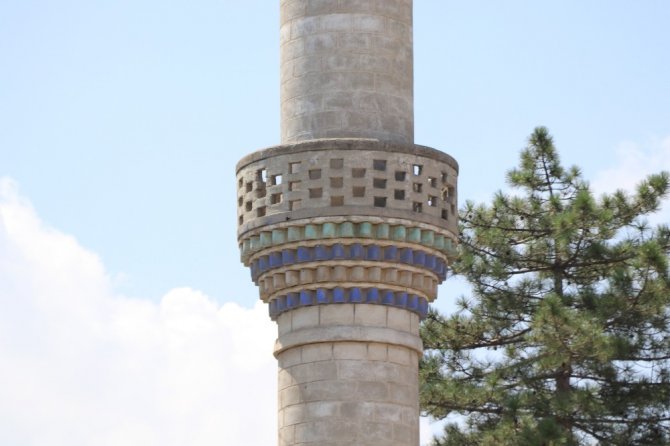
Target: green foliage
566	337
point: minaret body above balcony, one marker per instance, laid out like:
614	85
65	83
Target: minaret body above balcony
346	70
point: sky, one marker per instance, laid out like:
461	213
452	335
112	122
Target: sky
127	317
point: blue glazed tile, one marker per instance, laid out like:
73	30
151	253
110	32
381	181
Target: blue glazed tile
423	307
430	262
356	251
390	253
321	296
413	302
338	296
338	251
374	252
275	260
281	303
355	295
320	252
401	299
442	269
372	296
419	257
288	256
303	254
306	298
292	300
406	255
262	264
388	298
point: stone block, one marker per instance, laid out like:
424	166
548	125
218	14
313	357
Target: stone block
372	391
317	352
286	435
377	352
380	432
317	43
399	319
337	22
304	26
350	350
284	323
305	317
405	435
289	396
293	49
290	357
391	413
414	323
357	5
292	9
368	371
315	7
340	314
399	355
322	409
328	391
313	371
370	315
321	431
369	23
285	379
292	415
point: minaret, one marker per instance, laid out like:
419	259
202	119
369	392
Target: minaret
347	226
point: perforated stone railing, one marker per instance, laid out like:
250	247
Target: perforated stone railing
347	177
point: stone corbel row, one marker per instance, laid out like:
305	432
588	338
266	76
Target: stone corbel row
283	233
403	277
340	295
300	255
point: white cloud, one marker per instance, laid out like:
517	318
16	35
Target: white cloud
80	365
631	164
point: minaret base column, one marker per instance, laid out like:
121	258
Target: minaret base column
348	374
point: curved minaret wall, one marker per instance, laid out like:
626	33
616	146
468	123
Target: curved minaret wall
348	226
346	70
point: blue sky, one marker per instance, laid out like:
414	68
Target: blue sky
121	123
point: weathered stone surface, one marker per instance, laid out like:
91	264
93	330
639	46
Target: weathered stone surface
353	48
351	368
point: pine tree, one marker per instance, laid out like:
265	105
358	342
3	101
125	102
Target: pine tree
565	339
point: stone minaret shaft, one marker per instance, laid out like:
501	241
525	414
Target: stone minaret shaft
348	226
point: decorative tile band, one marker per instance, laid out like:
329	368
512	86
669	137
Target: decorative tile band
340	295
327	276
280	235
356	251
